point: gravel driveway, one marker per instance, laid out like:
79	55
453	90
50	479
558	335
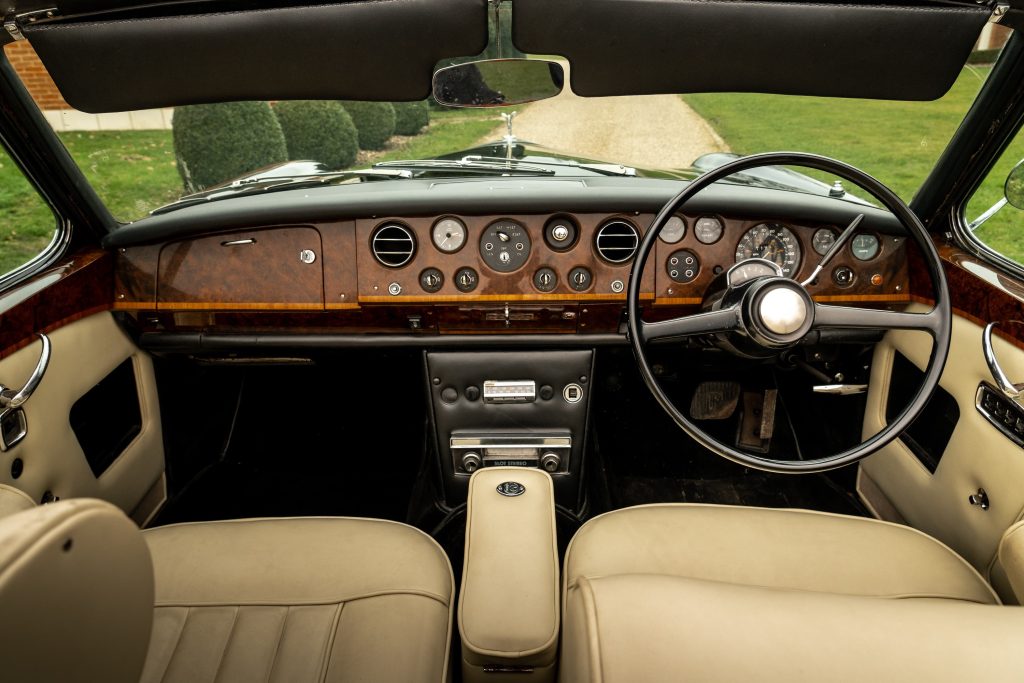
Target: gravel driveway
653	131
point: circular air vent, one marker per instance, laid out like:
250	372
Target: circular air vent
393	245
616	241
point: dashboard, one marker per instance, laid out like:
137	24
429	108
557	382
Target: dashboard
461	273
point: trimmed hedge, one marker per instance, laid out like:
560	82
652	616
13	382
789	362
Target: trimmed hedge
218	142
318	130
411	117
375	122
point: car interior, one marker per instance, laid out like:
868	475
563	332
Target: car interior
502	417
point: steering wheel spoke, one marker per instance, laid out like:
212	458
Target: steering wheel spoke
827	317
712	322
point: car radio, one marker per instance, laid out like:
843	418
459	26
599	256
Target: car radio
549	451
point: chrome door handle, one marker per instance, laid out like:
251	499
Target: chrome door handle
1009	389
9	398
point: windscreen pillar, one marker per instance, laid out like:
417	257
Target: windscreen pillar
509	604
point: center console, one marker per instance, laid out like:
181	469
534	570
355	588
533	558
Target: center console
511	409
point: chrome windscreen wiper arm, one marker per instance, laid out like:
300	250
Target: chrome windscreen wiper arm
468	165
259	185
603	169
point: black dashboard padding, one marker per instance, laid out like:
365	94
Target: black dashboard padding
634	47
361	49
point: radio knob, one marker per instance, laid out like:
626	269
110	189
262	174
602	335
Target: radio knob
550	461
471	462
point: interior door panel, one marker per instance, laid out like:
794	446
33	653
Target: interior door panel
52	461
897	486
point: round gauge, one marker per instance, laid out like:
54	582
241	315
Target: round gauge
749	270
864	247
823	240
449	235
674	230
505	246
773	242
708	230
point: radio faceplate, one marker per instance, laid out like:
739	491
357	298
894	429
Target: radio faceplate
510	391
547	451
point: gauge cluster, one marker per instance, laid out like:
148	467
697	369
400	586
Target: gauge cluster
589	257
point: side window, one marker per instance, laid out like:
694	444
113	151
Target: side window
995	213
27	225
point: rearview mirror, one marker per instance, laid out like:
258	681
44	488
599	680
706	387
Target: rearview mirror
1013	189
498	82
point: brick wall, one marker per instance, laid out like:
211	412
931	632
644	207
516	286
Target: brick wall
24	60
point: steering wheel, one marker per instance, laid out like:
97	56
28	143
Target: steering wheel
771	313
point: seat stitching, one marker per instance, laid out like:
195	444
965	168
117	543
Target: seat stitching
325	664
301	603
593	633
760	586
277	646
227	643
177	643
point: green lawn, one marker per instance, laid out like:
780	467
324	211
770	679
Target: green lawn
133	172
897	142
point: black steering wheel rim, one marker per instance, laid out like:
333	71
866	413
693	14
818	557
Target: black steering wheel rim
940	312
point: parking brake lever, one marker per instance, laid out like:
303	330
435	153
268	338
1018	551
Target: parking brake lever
9	398
831	253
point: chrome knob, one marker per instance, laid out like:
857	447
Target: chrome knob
560	233
471	462
550	461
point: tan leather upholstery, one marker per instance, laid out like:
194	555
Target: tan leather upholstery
795	549
509	603
639	627
896	486
1011	558
695	592
76	594
307	599
14	500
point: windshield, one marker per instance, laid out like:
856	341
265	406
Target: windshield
140	161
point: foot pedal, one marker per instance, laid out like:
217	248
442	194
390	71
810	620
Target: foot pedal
757	424
715	400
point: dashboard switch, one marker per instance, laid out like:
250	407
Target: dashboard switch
580	279
466	279
545	279
431	280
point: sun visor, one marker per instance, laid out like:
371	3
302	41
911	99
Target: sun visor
361	49
639	47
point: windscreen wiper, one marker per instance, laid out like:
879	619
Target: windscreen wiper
603	169
262	184
468	165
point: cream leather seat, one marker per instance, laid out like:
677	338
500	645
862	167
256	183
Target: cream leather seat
701	592
305	599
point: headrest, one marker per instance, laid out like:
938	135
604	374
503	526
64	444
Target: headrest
76	586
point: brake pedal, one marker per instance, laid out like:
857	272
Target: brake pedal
757	422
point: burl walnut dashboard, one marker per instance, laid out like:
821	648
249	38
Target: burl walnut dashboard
466	274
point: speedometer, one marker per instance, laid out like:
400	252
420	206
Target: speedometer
771	241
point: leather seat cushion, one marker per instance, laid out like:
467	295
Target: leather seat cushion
638	628
794	549
310	599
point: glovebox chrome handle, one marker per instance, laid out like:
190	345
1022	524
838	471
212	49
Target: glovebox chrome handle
1009	389
9	398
